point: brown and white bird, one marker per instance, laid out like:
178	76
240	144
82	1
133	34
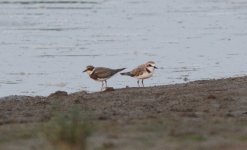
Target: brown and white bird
142	72
101	74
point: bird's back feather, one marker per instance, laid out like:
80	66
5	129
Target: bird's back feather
102	72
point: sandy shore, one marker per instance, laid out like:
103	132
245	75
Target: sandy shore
208	114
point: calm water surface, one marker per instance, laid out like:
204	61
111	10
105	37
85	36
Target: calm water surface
45	45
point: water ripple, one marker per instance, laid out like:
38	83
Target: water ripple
48	2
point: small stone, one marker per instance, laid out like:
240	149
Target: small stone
108	89
211	97
58	94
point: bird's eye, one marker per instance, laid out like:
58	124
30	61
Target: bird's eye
149	65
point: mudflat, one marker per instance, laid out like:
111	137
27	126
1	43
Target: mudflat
207	114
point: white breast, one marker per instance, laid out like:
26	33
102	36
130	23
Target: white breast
102	79
145	75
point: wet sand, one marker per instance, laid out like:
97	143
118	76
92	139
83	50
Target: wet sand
207	114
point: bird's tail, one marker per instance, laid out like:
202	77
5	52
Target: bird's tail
118	70
126	74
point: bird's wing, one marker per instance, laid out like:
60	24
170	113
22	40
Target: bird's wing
138	71
102	72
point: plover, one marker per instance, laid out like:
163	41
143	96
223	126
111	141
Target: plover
101	73
142	72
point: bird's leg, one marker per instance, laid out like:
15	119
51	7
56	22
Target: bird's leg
102	85
105	83
142	83
138	83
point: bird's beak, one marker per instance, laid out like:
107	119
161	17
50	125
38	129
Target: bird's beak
155	67
85	70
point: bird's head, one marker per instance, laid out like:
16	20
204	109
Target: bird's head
151	65
89	69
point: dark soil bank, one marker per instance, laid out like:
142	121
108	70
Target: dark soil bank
197	115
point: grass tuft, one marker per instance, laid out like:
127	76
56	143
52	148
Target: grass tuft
69	130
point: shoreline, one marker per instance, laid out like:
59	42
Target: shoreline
111	89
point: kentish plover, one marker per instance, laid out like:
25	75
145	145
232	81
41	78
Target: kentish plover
101	73
142	72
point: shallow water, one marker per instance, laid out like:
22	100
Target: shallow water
45	45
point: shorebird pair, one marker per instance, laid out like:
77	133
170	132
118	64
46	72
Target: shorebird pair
101	74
